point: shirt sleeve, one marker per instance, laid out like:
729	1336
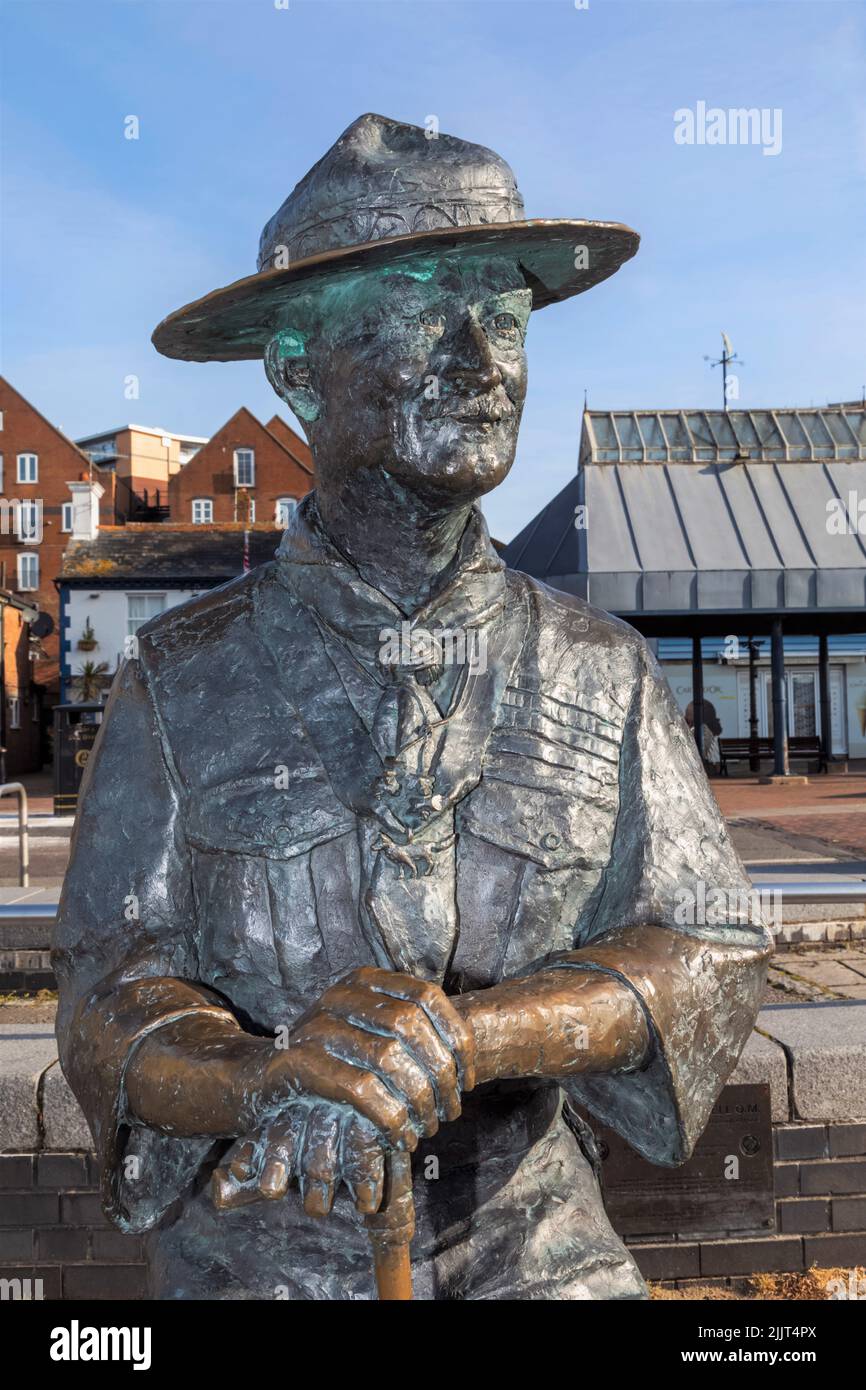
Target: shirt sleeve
125	950
678	922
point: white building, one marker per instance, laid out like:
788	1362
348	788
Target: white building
115	578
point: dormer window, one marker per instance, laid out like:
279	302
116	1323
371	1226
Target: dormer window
245	468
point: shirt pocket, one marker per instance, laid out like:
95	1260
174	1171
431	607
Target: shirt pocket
260	816
256	849
550	784
549	827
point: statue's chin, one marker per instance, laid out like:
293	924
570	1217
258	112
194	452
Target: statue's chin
458	463
456	480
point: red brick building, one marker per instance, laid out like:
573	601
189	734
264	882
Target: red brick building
20	699
246	472
37	463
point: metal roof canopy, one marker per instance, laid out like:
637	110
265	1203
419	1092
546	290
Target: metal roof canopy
695	517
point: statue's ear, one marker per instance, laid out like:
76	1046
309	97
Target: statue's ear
288	370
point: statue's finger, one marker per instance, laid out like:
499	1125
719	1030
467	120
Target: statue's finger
227	1193
319	1158
284	1142
363	1165
240	1160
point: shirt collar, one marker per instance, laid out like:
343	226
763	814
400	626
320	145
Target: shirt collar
472	593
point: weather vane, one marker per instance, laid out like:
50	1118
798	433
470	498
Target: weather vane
727	358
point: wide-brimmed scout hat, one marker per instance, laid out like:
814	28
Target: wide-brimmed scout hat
384	192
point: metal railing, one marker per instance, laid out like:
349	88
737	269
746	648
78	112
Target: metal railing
848	891
17	789
784	891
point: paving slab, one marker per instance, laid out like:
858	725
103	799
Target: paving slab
763	1060
826	1047
64	1123
25	1051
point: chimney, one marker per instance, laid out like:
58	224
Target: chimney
85	509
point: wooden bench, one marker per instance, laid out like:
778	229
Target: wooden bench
736	750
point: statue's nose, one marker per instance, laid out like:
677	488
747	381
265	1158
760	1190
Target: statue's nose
472	365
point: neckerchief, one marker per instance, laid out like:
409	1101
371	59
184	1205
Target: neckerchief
402	725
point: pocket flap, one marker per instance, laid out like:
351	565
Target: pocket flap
552	828
276	822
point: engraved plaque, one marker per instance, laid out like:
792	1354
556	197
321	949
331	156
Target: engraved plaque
727	1184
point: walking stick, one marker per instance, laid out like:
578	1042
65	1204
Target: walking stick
391	1229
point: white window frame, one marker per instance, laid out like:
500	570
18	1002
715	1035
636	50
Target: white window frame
252	511
252	466
133	624
14	707
202	505
28	530
66	516
291	505
28	561
30	463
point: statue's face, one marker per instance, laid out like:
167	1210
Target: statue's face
417	369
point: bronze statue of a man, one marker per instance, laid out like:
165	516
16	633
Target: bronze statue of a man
381	845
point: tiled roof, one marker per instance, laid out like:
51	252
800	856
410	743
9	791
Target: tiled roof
207	555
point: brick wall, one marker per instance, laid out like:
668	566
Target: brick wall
60	462
23	745
820	1181
210	474
52	1229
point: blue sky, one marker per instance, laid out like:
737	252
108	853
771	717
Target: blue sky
236	99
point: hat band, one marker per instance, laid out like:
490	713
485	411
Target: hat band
356	227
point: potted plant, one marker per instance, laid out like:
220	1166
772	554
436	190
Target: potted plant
87	640
89	683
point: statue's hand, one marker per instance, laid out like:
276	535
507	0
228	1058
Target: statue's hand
319	1144
392	1047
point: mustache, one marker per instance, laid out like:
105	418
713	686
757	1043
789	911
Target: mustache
492	407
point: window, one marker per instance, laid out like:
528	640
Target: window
252	511
245	468
29	521
14	712
28	468
285	509
202	511
140	609
66	516
28	571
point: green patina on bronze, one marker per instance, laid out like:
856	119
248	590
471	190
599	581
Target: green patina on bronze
291	343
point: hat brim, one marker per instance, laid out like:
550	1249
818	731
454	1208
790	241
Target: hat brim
557	257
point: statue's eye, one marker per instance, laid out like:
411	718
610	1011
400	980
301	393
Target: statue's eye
431	318
506	324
